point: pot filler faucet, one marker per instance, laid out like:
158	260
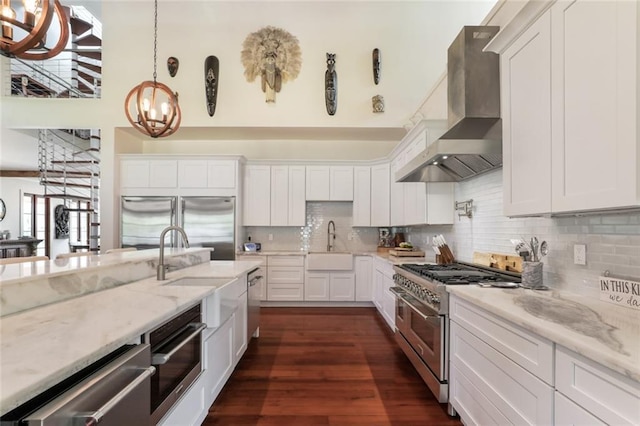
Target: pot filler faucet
162	269
331	236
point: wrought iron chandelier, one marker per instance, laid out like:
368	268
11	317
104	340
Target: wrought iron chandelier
36	22
151	107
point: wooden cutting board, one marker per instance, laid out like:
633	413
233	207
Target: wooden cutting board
499	261
406	253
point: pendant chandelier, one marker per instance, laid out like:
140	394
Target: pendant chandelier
151	107
38	15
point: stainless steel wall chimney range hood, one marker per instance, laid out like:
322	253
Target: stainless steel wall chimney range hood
473	143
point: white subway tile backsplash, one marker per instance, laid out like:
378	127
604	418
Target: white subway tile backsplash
613	240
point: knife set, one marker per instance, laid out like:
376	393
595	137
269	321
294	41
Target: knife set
443	252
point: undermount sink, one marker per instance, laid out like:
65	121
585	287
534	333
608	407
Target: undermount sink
200	281
329	261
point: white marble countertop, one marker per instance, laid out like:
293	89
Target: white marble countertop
606	333
42	346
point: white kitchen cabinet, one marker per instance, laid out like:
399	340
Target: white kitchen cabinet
526	115
362	196
279	195
428	203
218	360
568	413
257	195
317	183
297	199
380	196
384	300
240	328
316	286
595	87
141	173
396	199
285	278
363	266
329	183
590	119
609	396
488	381
288	204
342	287
215	174
329	286
191	408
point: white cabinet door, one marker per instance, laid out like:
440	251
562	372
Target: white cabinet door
341	183
221	174
526	115
257	196
218	360
362	196
397	208
240	328
163	174
193	173
317	183
388	302
297	197
342	287
440	203
377	290
364	282
134	173
380	185
568	413
279	195
316	286
606	394
595	98
190	409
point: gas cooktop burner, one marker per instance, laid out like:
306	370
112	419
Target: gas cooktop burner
456	274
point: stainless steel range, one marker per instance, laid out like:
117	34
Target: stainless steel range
422	315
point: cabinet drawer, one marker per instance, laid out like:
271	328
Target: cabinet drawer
516	393
285	292
568	413
285	260
528	350
607	394
285	274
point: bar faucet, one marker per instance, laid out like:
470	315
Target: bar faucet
162	269
330	234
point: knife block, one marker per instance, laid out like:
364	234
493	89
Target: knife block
441	260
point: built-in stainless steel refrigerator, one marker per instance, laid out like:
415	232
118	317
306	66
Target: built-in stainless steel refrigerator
208	222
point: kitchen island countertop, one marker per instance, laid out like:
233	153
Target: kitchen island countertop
42	346
603	332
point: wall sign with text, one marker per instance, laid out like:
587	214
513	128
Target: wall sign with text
620	291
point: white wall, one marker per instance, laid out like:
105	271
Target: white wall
613	240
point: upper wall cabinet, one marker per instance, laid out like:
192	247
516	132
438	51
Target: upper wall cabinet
178	175
329	183
256	209
274	195
380	195
570	107
288	206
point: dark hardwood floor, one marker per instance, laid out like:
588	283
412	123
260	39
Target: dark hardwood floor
325	366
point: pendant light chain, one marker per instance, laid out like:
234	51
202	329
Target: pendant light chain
155	42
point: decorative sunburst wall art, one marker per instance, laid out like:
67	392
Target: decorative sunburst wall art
274	55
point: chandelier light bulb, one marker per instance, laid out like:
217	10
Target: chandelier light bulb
38	16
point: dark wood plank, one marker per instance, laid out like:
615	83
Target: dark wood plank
325	366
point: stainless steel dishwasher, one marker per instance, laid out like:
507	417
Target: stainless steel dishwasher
255	281
113	391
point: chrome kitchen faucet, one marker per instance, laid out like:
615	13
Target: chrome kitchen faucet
162	269
330	234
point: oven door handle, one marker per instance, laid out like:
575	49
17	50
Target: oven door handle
418	311
92	419
162	358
